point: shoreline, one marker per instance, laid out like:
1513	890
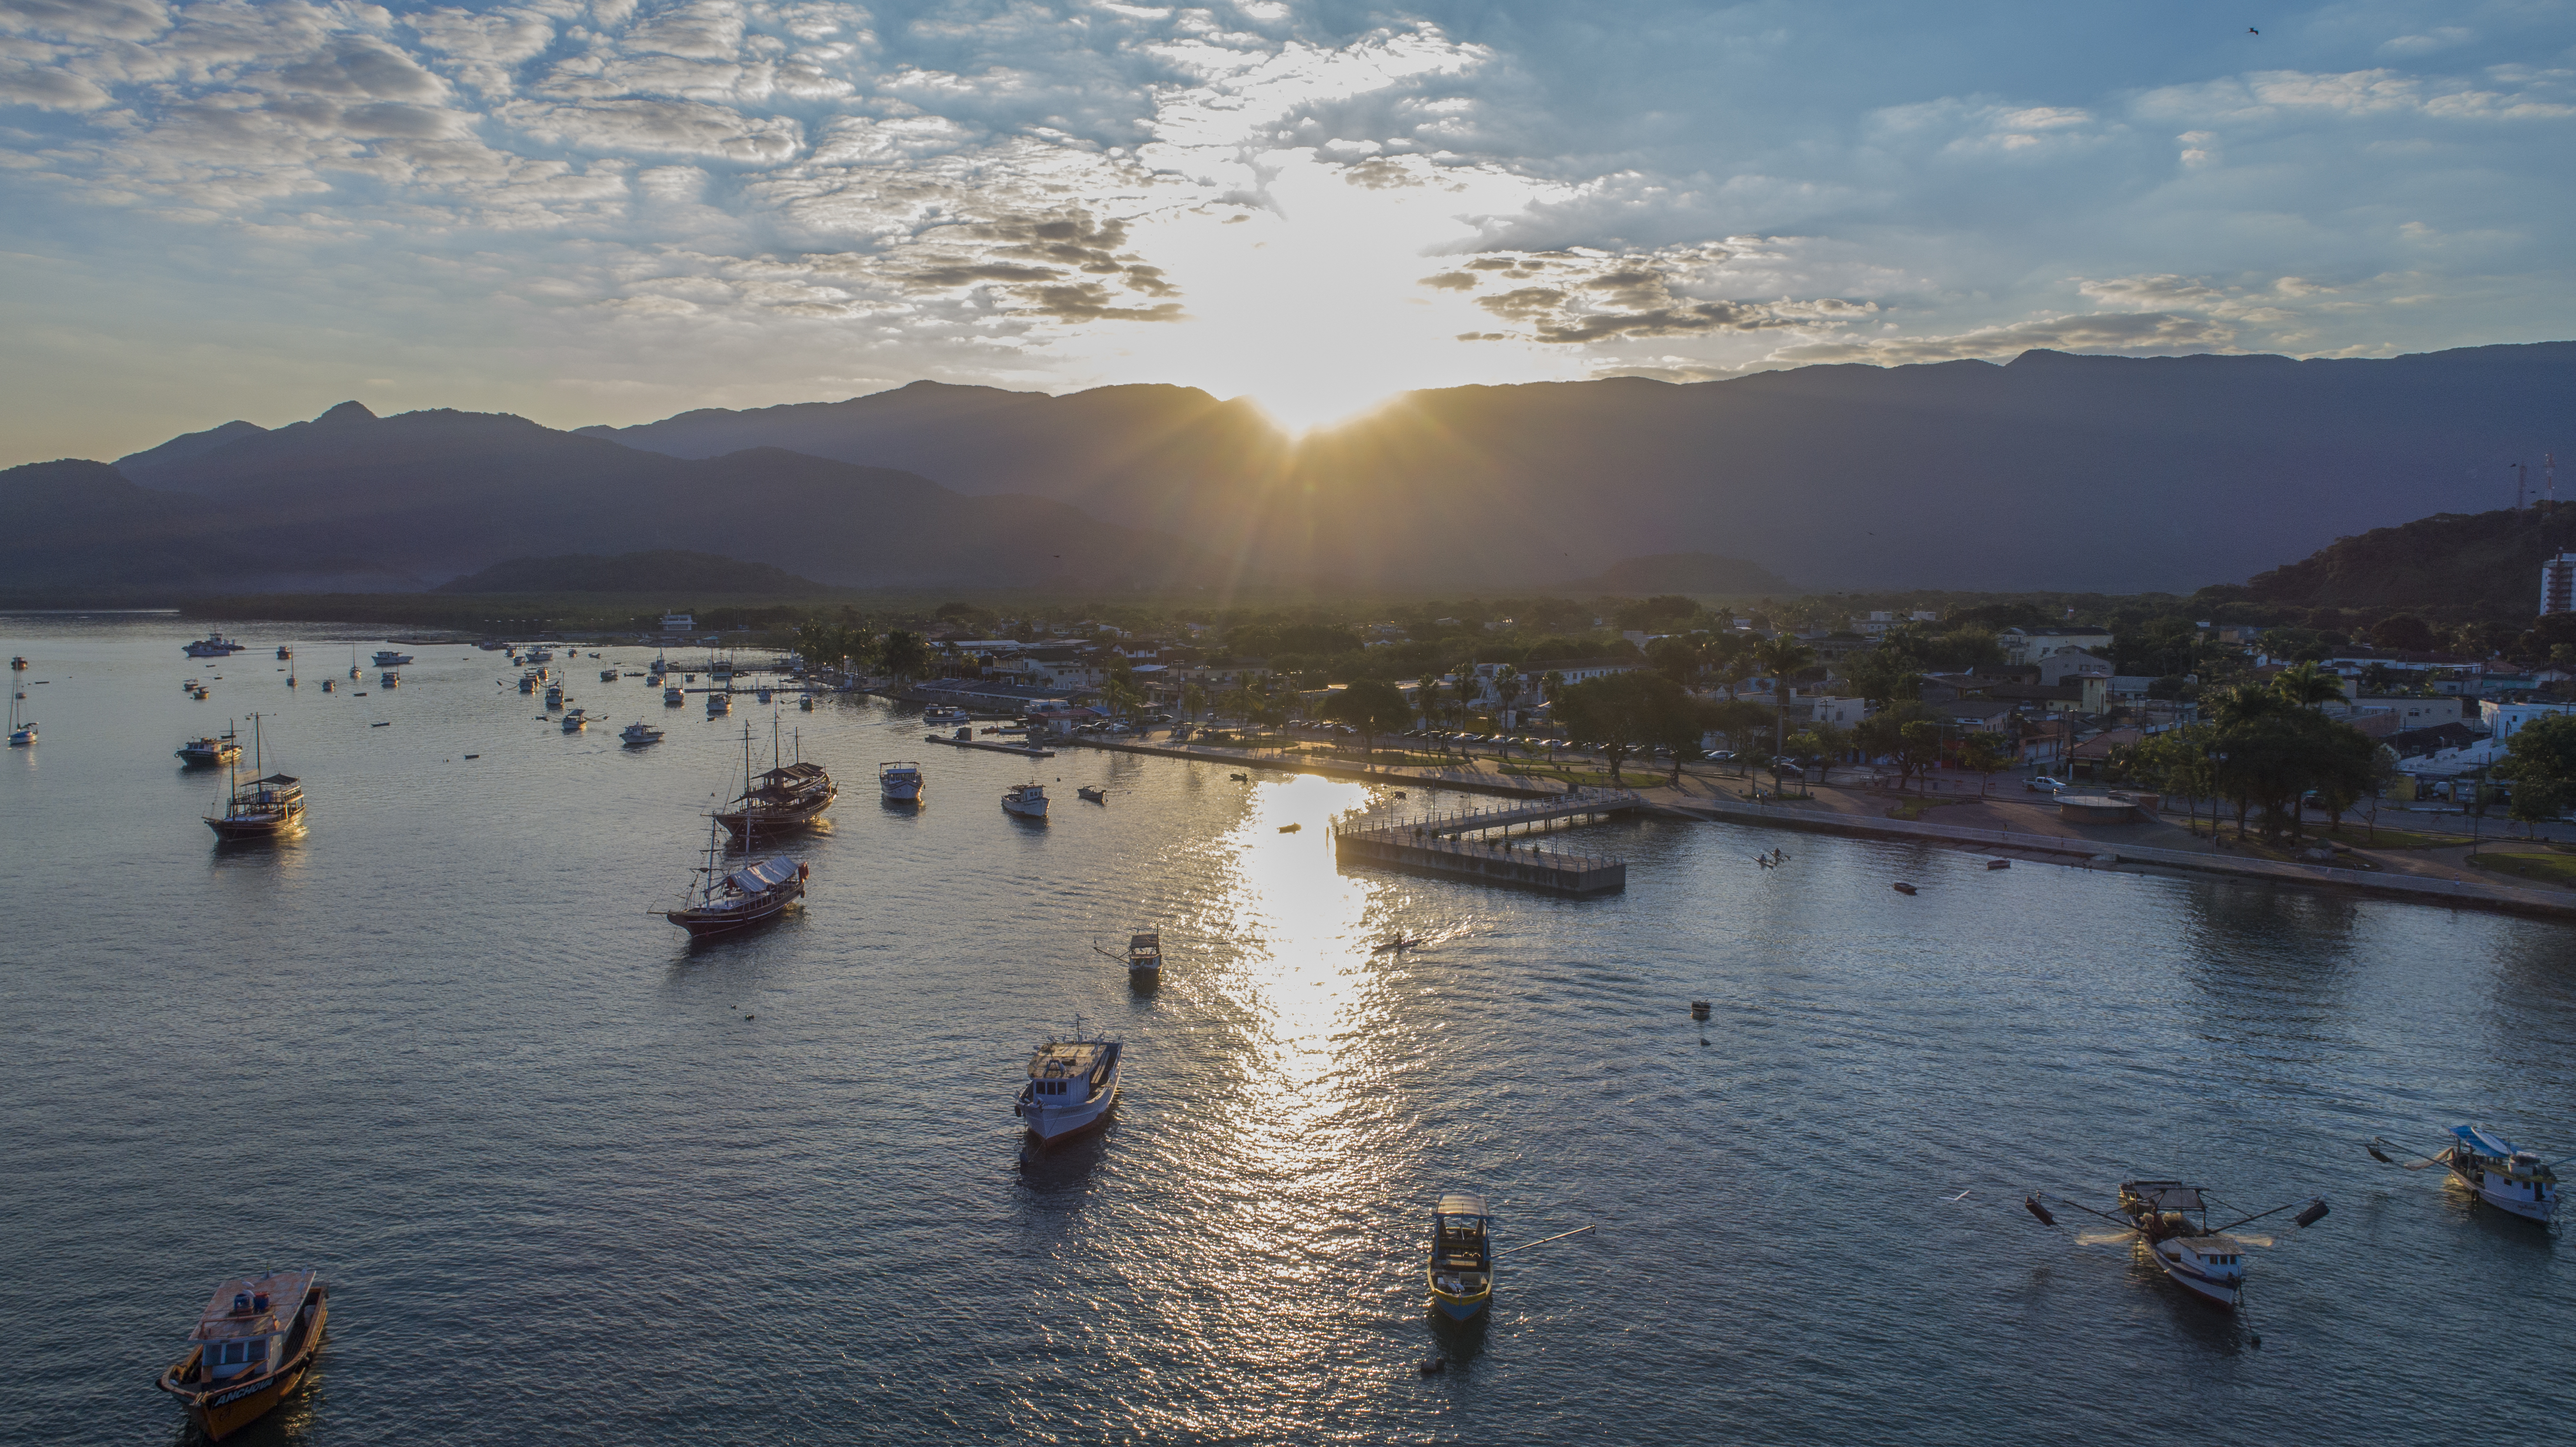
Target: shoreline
2033	848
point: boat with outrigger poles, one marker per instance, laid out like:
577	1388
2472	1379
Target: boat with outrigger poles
2171	1219
252	1346
1461	1267
2491	1168
1144	955
1071	1086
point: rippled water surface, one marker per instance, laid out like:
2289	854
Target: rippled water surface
576	1181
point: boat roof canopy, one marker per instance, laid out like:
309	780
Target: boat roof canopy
2481	1141
1460	1203
1057	1059
2168	1195
285	1291
279	779
796	772
768	873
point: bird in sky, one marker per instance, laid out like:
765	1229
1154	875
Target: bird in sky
2250	30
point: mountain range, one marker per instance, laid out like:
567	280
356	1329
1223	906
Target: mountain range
2054	471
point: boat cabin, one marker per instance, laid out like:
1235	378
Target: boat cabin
1145	952
1068	1072
243	1330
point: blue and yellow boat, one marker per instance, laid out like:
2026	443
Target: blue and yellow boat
1461	1269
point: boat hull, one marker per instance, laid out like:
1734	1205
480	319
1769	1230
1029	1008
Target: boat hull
2541	1211
1461	1308
770	823
2217	1293
220	1411
1054	1125
255	828
704	923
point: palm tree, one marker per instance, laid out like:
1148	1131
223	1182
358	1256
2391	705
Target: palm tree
1193	699
1781	655
2306	683
1507	687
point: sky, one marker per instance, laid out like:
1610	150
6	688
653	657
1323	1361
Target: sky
612	210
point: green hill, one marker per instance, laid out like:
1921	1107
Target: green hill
2484	565
671	571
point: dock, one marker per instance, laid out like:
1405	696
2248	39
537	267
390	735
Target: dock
1026	751
1436	844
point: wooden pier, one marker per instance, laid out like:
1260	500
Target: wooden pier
1433	844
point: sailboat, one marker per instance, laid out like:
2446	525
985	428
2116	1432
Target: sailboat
720	901
353	662
22	731
271	806
789	796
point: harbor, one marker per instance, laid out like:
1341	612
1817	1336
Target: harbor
509	1070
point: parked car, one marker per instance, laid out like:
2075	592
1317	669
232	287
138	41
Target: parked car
2043	784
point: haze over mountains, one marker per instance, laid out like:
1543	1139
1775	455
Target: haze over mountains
2055	471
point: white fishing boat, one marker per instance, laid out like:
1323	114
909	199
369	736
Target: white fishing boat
608	675
1071	1086
213	645
1028	801
2491	1168
211	751
1461	1265
900	782
2171	1219
538	655
391	658
637	734
672	697
719	703
940	713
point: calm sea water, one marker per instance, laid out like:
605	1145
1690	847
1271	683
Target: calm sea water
576	1181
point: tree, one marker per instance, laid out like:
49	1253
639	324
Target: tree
1624	710
1508	685
1828	742
1193	700
1373	706
1882	678
1882	734
2540	763
1676	658
2307	683
905	654
1782	656
1984	753
2404	632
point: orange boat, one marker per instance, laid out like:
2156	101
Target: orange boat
253	1344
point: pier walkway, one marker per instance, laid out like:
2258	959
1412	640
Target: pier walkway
1431	844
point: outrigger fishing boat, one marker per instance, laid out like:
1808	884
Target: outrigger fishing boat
1461	1269
251	1349
1144	954
2491	1168
720	901
1072	1084
2172	1220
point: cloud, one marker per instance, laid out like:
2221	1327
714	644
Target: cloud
52	90
1591	297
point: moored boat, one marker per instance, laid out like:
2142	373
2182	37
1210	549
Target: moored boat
2491	1168
719	703
783	798
1071	1086
22	731
283	651
575	721
269	807
251	1349
672	697
721	900
391	679
554	696
213	645
940	713
1461	1264
900	781
1145	953
391	658
1027	801
2171	1219
1091	792
637	734
210	751
608	675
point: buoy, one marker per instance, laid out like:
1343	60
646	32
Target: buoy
2031	1204
2312	1215
1434	1366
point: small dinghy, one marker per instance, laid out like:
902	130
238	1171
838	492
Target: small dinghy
1072	1084
1144	955
2171	1219
1398	942
1904	889
2491	1168
1999	864
252	1347
1461	1266
1093	793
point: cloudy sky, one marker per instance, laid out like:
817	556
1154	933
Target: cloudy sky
611	210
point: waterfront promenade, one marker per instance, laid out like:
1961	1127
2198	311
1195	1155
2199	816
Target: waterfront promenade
2004	822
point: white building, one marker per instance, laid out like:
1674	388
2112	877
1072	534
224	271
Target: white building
2558	585
1874	625
2060	664
2504	720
